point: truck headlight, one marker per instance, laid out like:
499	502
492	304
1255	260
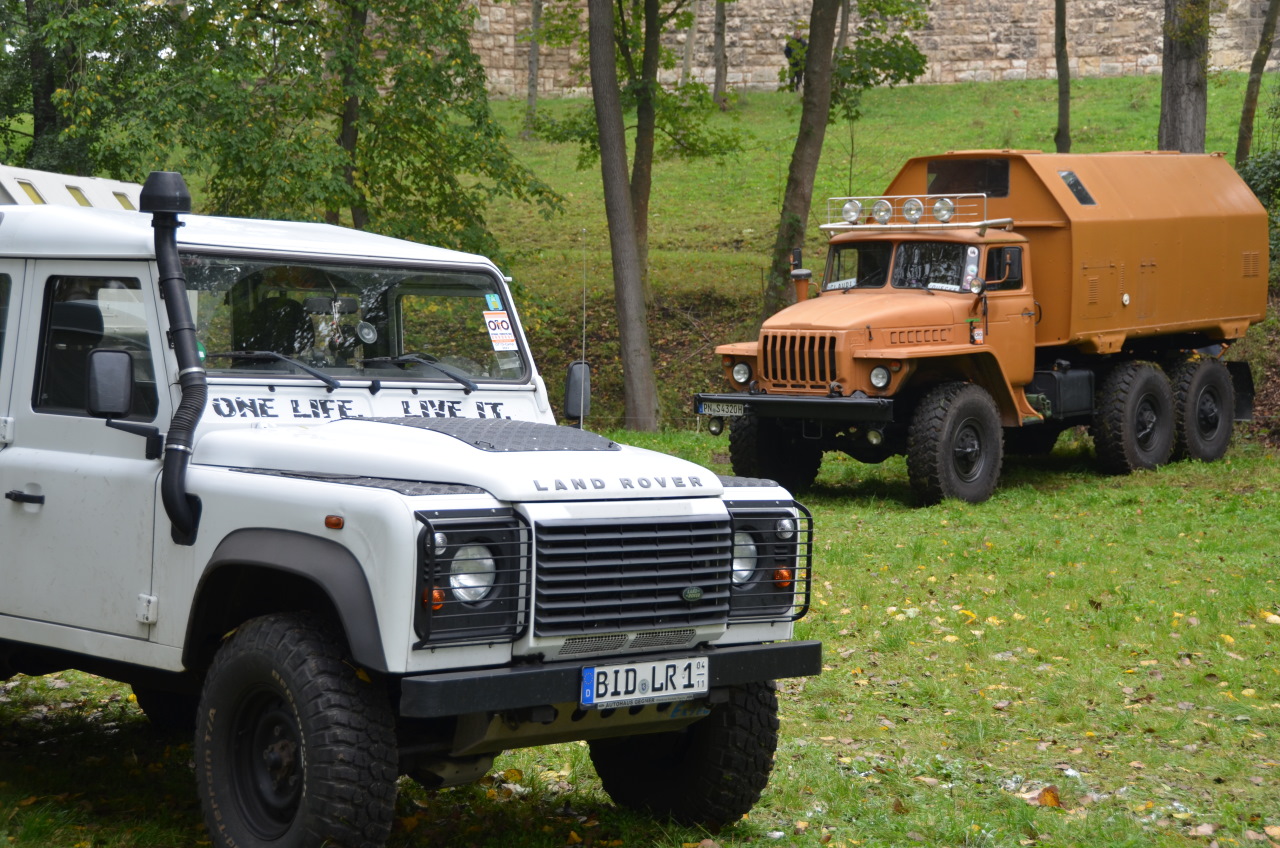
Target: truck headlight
852	212
879	376
472	573
943	209
744	558
882	211
913	210
741	373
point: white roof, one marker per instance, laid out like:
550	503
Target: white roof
28	187
76	232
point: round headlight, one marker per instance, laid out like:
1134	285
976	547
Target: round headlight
882	211
943	209
913	210
744	557
472	573
879	376
441	542
785	528
852	212
741	373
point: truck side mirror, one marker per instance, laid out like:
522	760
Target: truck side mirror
1013	264
110	389
577	392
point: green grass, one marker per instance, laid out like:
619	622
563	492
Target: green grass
1106	636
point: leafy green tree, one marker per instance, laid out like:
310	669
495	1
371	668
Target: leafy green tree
371	113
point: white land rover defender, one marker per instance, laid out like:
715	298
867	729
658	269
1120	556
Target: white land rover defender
301	487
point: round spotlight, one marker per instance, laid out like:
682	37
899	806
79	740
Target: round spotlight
785	528
852	212
744	557
741	373
882	211
875	437
441	542
472	573
716	425
879	376
913	210
943	210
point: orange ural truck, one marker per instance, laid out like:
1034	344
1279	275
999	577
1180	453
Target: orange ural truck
992	299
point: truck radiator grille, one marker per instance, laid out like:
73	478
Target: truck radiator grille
630	575
798	359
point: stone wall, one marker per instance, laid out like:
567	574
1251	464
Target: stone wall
967	40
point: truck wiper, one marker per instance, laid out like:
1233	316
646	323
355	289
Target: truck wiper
467	384
271	355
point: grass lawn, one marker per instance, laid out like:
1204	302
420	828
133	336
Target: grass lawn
1081	660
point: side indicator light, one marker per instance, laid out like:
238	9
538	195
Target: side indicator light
783	578
433	598
334	522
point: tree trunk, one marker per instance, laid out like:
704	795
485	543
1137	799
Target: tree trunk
816	103
44	115
1244	140
845	11
1183	87
720	58
1062	138
349	132
535	39
646	127
641	390
686	70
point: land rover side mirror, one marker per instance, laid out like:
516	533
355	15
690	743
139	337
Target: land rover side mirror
577	392
110	389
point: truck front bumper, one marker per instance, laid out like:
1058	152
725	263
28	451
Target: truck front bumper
857	408
494	689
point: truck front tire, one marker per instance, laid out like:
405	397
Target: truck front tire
1133	419
1204	404
293	749
761	447
709	774
955	444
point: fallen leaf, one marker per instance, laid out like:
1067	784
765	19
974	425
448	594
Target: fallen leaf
928	781
899	807
1205	829
1048	797
1254	836
1272	830
1001	705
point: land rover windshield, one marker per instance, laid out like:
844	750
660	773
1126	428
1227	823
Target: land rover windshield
915	265
371	322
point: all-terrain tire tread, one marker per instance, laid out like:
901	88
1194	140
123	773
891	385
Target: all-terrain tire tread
1113	436
1188	443
928	460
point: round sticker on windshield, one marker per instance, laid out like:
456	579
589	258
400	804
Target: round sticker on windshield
973	251
972	270
367	332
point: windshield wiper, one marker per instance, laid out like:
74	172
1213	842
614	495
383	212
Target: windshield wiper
271	355
457	376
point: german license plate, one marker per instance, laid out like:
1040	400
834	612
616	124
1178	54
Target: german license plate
725	410
606	686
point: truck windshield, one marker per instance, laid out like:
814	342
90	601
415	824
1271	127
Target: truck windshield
931	265
863	265
352	321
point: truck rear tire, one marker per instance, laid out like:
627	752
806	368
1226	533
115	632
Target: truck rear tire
955	444
1133	419
761	447
293	750
709	774
1204	404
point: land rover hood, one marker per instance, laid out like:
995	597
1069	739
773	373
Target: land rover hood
512	460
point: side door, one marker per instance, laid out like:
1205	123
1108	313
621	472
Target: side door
10	276
1011	313
79	514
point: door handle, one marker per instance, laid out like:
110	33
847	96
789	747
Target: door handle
23	497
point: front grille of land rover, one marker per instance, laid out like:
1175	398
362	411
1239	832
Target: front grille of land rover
797	359
630	575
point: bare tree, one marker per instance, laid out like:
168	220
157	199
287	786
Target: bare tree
843	37
535	45
1062	138
690	40
814	111
720	58
641	393
1244	140
1183	87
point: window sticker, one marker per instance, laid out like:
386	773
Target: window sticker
493	301
500	331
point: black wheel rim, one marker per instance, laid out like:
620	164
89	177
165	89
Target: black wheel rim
1208	413
1146	423
967	455
267	763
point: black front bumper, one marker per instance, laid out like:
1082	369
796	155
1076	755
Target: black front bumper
493	689
860	409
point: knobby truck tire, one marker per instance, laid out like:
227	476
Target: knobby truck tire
1133	419
293	749
761	447
1204	404
709	774
955	445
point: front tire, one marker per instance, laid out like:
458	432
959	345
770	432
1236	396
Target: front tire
711	773
293	750
1133	419
955	445
1204	402
761	447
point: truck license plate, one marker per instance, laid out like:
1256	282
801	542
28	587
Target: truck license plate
725	410
606	686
